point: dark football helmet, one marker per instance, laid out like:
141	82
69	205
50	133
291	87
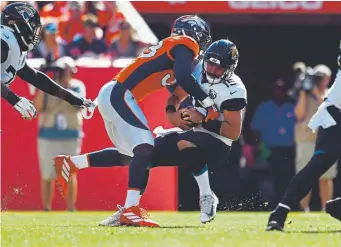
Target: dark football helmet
220	61
194	27
25	21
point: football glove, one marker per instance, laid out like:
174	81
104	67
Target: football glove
212	113
26	109
88	108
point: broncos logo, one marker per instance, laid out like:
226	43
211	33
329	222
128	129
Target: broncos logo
193	22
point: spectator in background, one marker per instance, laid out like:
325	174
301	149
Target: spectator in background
109	19
88	44
51	44
274	123
72	26
125	46
306	106
54	11
60	130
3	4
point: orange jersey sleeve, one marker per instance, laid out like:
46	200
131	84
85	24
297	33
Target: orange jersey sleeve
182	40
143	75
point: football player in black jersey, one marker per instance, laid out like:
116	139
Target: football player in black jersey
327	120
20	32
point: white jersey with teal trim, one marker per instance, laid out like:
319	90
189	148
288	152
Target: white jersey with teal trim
233	88
15	60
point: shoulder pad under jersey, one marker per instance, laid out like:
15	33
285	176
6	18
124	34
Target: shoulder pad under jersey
189	42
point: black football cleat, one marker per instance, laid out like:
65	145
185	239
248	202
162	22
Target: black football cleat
274	226
333	207
277	219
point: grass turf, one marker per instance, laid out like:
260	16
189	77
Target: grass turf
63	229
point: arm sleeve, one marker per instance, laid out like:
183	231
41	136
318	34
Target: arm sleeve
236	104
183	58
8	95
46	84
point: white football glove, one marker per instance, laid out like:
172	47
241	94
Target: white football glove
88	108
26	109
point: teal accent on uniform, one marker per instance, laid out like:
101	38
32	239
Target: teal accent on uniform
57	134
202	171
319	152
76	89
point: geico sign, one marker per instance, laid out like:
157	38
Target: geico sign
282	5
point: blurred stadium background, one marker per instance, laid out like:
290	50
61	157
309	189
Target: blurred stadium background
271	36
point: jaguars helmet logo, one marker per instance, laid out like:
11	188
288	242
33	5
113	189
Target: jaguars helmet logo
234	53
25	11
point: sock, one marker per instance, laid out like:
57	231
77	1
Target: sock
81	161
108	157
133	198
203	181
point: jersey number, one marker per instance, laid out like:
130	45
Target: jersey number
152	50
11	70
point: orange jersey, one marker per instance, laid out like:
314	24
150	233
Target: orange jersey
153	69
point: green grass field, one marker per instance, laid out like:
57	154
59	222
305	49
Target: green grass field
40	229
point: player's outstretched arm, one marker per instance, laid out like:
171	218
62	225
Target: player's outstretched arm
46	84
183	58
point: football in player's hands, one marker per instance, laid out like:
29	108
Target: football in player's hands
192	116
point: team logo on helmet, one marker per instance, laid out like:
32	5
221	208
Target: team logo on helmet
25	12
234	53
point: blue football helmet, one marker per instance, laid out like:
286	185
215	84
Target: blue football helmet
220	61
194	27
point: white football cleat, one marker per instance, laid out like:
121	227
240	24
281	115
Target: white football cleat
208	207
113	220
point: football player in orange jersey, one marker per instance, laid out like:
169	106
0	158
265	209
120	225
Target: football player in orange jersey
167	63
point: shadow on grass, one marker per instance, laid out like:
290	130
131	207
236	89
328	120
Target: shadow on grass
315	231
179	227
108	227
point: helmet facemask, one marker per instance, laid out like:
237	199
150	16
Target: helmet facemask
25	21
215	72
33	33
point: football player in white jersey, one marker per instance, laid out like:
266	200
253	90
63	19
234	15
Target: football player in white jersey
327	120
20	32
209	141
206	143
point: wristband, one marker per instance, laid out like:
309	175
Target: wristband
170	108
212	126
12	98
